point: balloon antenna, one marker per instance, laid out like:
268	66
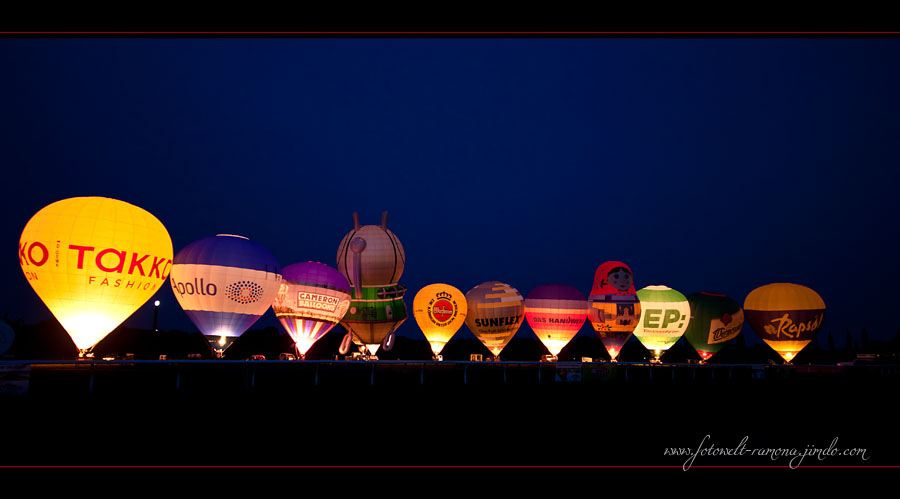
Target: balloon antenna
355	221
384	218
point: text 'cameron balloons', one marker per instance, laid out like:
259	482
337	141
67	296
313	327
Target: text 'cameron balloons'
786	316
440	310
555	312
715	320
94	261
311	299
613	306
495	313
665	315
224	284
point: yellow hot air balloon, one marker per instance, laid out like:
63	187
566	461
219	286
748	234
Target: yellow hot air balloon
786	316
440	310
94	261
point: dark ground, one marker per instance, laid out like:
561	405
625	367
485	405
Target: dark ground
279	413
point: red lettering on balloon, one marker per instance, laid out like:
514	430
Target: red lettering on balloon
46	254
81	250
135	262
118	268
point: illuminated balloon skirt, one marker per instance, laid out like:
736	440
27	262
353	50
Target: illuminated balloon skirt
614	318
370	320
304	331
221	328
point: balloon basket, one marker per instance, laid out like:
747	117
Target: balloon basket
437	357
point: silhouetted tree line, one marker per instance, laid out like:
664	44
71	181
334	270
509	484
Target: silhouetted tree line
48	340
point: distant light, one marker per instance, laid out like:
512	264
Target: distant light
156	303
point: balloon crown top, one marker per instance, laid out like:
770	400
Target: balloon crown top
443	294
232	235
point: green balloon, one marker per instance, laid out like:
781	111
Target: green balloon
715	320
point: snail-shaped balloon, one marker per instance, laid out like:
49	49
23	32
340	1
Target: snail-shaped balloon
372	259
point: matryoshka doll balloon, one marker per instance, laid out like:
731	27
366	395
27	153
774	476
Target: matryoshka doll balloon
613	306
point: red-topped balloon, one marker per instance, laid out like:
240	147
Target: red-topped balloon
613	306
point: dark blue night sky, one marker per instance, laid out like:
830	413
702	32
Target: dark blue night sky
704	164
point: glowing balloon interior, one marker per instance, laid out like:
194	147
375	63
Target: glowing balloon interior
786	316
555	312
496	311
440	310
94	261
224	284
715	320
613	306
665	315
311	299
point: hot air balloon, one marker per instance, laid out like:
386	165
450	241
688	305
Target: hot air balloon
311	299
440	310
613	306
555	312
224	284
372	259
715	320
94	261
665	315
786	316
495	313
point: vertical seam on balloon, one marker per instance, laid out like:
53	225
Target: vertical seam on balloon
389	234
347	249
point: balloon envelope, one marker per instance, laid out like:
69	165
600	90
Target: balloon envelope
665	315
311	299
381	262
786	316
94	261
715	320
555	312
378	313
613	306
440	310
496	311
225	283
